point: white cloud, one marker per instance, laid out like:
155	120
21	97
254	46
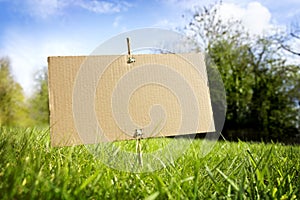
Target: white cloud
187	4
103	6
165	23
48	8
42	8
255	17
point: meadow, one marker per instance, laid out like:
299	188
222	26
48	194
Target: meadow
31	169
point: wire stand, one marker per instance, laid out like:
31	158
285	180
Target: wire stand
138	135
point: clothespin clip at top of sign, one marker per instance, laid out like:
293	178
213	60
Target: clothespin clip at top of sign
130	58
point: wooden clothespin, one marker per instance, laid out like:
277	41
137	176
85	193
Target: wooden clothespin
130	58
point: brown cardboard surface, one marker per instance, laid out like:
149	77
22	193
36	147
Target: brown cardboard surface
103	98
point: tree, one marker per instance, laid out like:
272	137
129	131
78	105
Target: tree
39	102
260	87
292	36
226	45
12	108
273	108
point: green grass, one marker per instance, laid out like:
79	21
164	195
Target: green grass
31	169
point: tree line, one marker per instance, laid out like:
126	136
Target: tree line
262	87
15	109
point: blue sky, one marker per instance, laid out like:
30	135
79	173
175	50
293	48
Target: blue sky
32	30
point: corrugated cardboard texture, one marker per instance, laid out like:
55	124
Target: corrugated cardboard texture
103	98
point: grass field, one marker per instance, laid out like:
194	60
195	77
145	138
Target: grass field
31	169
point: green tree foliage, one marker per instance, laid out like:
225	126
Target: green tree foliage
12	108
39	102
274	101
262	91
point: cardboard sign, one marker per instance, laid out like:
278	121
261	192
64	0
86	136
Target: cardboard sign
106	98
